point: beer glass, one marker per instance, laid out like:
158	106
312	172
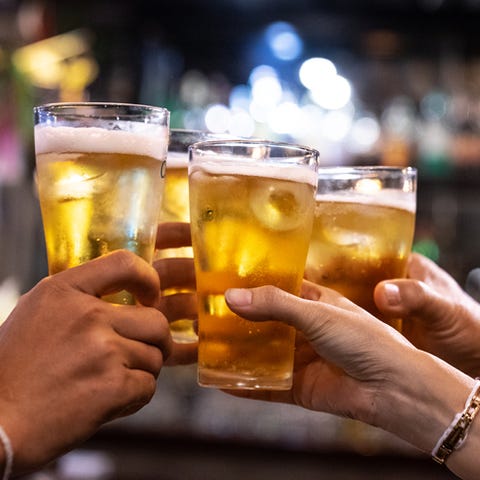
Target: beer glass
251	208
175	208
363	230
99	169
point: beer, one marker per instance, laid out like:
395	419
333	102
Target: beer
175	204
175	208
358	241
98	192
251	226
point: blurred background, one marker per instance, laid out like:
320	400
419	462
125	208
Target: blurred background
393	82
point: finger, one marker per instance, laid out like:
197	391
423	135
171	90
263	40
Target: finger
404	298
146	325
424	269
179	306
116	271
310	291
117	355
271	303
145	357
176	273
173	235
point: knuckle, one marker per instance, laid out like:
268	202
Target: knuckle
148	390
156	361
269	293
107	349
420	294
127	259
118	383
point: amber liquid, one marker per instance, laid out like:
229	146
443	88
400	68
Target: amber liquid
95	203
175	208
246	232
356	245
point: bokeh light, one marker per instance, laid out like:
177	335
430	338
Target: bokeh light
365	132
332	93
315	71
285	118
241	124
217	118
284	41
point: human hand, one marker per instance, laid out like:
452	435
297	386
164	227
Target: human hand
177	273
337	358
438	316
71	361
349	363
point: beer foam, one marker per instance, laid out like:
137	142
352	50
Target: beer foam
177	160
280	171
147	139
386	197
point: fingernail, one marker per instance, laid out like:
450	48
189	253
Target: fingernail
239	297
392	292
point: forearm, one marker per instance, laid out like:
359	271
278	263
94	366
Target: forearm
423	404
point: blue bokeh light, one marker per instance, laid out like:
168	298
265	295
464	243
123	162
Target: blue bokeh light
283	41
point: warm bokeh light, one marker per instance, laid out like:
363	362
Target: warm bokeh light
62	63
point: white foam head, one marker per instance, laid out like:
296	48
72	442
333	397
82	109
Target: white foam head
386	197
177	160
279	170
146	139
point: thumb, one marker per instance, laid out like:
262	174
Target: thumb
339	331
321	322
269	303
407	297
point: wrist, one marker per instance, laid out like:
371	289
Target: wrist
420	405
456	433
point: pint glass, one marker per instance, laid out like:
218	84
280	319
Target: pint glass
100	168
251	207
175	208
363	230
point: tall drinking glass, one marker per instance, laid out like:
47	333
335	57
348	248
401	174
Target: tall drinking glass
363	230
99	168
251	207
175	208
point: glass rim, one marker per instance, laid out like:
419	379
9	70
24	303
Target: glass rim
76	108
193	131
203	145
353	169
209	136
